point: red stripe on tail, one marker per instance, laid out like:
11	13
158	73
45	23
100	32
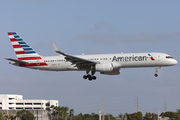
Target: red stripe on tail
9	33
20	52
13	39
16	46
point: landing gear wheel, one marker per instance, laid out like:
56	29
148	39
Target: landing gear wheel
90	78
155	75
85	77
94	77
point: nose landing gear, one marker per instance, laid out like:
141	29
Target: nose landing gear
155	74
156	71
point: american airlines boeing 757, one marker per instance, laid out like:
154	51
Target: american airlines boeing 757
107	64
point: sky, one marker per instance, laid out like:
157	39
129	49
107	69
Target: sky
94	27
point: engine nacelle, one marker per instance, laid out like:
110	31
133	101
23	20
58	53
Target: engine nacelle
114	72
104	67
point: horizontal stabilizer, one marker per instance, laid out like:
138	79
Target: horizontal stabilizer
17	61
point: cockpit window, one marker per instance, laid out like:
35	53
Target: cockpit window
168	57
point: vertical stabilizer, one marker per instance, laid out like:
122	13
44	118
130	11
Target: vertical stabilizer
22	49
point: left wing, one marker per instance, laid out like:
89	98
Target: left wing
75	60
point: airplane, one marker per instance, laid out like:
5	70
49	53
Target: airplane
107	64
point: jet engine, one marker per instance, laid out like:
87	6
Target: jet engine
104	67
114	72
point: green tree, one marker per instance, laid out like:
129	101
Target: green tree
10	117
135	116
25	115
87	117
71	113
109	116
122	116
80	115
56	114
169	114
147	116
1	116
59	112
178	111
95	116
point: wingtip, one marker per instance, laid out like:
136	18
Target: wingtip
55	47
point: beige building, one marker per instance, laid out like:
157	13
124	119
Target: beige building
10	104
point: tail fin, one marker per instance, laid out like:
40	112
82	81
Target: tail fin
22	49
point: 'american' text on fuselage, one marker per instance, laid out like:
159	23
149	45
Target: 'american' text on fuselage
130	58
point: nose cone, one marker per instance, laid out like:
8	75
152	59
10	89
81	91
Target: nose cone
174	62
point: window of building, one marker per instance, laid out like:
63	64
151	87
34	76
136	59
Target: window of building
19	103
11	98
0	103
0	108
37	103
11	103
10	108
19	108
28	103
37	108
28	108
47	104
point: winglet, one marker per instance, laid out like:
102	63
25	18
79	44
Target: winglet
57	50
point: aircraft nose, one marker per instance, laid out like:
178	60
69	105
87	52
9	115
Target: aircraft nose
174	62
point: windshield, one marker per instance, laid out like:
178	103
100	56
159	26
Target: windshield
168	57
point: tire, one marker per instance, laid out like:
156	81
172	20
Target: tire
155	75
94	77
85	77
89	78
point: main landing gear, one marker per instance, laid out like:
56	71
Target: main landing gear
88	76
156	71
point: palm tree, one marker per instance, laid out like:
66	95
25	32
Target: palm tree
71	111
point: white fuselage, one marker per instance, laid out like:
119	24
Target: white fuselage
108	64
128	60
